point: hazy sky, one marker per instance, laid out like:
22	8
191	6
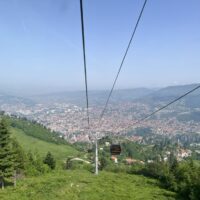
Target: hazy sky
40	44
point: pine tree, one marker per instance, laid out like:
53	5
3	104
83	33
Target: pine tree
50	161
19	160
19	155
6	153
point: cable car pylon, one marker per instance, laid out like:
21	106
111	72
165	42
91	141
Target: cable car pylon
96	156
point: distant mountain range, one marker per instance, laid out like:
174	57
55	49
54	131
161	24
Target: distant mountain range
95	97
149	96
170	93
11	99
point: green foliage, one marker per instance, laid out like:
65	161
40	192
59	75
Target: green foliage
82	146
133	150
104	162
28	143
68	164
116	168
20	157
6	153
78	164
50	161
183	178
137	168
34	165
82	185
104	139
188	180
36	130
34	137
2	113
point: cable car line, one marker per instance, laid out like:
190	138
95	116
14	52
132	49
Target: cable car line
115	149
85	64
170	103
122	62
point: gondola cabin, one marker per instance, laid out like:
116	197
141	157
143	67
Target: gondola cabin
115	149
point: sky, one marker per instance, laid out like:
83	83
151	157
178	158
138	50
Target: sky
41	47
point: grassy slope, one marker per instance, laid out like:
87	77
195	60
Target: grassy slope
82	185
78	184
60	151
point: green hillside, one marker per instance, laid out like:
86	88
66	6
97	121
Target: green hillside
32	128
83	185
37	180
29	143
36	138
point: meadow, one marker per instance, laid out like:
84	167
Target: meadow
35	145
83	185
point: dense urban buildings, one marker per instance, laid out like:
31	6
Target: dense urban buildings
70	119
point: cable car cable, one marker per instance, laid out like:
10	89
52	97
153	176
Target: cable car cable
84	58
170	103
116	149
122	62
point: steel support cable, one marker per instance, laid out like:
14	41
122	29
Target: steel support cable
122	62
84	58
163	107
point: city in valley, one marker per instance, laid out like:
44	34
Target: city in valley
70	120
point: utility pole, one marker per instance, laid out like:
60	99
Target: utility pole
96	156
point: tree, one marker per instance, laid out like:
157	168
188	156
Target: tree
173	162
19	159
6	153
2	112
104	162
68	163
50	161
19	155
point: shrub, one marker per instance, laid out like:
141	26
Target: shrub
50	161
